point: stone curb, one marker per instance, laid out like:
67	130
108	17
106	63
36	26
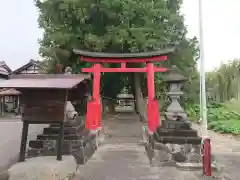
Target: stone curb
194	166
4	175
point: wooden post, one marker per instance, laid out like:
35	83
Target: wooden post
61	131
18	104
134	93
60	141
1	100
3	105
23	141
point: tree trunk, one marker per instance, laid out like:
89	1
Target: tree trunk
111	106
137	92
134	93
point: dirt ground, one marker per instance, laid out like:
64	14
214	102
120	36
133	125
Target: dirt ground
123	157
10	138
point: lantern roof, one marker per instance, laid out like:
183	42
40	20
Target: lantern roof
173	75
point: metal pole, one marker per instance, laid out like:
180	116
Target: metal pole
206	144
202	74
200	98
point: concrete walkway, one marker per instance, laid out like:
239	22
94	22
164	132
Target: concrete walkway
123	157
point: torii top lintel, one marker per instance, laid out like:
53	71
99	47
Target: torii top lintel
159	55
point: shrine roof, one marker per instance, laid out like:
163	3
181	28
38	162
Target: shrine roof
101	55
44	81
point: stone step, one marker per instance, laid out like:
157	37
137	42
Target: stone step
56	130
65	125
33	152
81	154
85	136
174	132
71	124
55	137
179	140
171	124
38	144
80	130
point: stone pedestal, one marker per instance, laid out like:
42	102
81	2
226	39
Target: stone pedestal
78	141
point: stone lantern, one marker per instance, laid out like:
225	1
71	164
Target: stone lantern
174	79
68	70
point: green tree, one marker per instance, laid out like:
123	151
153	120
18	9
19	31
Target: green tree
224	82
114	26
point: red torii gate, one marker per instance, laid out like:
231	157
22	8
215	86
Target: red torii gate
93	118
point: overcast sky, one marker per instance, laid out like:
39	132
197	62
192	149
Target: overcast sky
19	32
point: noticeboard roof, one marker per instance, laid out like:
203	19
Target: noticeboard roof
8	92
44	81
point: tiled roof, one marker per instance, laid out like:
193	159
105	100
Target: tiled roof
30	63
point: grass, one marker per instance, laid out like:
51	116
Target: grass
233	105
222	118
